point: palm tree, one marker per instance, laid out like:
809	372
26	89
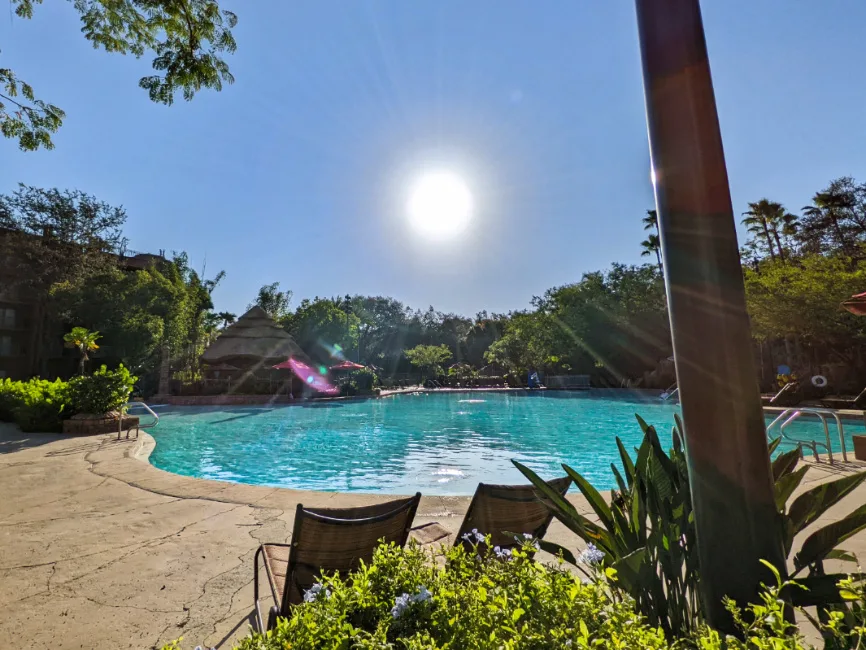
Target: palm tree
652	245
757	222
227	318
83	339
826	211
651	220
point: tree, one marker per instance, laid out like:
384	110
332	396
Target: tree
60	235
652	246
803	301
273	301
319	326
227	318
187	37
836	220
769	222
428	357
84	341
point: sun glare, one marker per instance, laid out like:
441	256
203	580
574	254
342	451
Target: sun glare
440	205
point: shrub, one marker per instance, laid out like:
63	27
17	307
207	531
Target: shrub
103	391
647	533
11	395
42	405
365	380
404	600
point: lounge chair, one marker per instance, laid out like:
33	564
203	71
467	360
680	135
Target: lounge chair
498	510
327	540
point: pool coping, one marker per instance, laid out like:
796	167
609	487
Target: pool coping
130	464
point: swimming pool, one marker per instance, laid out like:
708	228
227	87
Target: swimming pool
436	443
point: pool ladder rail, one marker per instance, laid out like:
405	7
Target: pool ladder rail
126	408
788	416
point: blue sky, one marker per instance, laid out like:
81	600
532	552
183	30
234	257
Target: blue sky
300	171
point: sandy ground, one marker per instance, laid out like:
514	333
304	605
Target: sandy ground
98	549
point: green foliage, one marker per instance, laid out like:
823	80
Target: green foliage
187	38
11	396
405	600
322	328
365	380
802	299
273	301
647	533
428	357
38	405
64	236
103	391
82	340
30	120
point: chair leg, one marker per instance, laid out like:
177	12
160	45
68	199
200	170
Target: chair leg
272	617
259	620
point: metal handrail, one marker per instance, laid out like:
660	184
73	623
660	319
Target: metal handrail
139	426
792	414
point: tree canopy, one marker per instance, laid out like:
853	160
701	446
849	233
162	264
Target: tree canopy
187	39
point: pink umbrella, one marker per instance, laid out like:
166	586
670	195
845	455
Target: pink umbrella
347	365
856	304
308	375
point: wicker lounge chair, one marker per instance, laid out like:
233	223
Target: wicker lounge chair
498	510
329	540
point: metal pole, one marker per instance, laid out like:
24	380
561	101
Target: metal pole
729	465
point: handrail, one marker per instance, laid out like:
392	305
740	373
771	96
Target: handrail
792	414
139	426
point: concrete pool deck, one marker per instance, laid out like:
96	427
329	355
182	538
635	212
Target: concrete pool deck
99	549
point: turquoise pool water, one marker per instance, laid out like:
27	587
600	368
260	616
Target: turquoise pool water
438	443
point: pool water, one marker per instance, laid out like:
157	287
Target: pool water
435	443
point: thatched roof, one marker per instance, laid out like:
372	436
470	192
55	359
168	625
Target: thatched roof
253	340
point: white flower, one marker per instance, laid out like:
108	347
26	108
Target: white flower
502	553
403	601
400	605
313	592
422	596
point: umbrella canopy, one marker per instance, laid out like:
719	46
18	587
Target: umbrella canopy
347	365
856	304
253	340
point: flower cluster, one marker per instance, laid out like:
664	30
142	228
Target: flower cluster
502	553
473	537
403	601
528	538
591	555
313	593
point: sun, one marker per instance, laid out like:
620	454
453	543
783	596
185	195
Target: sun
440	205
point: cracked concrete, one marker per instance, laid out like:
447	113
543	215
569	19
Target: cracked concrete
99	549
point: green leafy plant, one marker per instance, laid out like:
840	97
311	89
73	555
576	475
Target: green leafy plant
103	391
84	341
41	405
11	396
646	530
404	599
365	380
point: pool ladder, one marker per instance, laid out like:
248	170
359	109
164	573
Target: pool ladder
131	405
788	416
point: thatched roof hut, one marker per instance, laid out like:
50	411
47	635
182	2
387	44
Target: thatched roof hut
254	340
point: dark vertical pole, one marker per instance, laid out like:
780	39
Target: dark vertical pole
729	465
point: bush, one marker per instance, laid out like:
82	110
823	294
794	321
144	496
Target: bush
404	600
407	600
365	380
11	395
103	391
41	405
